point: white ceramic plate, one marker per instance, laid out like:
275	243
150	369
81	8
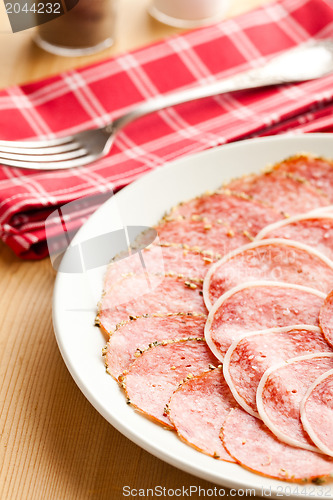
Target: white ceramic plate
76	296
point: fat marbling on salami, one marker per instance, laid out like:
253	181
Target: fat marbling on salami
317	412
326	318
280	392
153	377
317	171
259	305
249	357
253	446
237	210
315	230
161	259
285	192
136	295
273	259
202	233
134	336
198	408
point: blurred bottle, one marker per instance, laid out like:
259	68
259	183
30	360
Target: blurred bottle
84	28
188	13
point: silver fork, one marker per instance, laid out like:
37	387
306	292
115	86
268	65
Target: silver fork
306	62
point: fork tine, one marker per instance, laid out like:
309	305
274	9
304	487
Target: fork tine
39	143
44	158
60	165
41	150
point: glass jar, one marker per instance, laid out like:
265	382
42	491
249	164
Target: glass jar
84	29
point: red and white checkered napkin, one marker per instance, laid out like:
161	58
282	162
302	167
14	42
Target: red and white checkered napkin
93	95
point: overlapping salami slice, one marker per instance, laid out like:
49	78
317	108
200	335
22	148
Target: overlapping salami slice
259	305
317	171
201	233
253	446
198	408
326	318
266	298
280	392
322	210
158	259
317	412
272	259
248	358
313	230
234	209
134	336
153	377
284	192
136	295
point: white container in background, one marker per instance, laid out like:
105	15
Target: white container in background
188	13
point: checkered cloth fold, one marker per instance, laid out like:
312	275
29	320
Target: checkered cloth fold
94	95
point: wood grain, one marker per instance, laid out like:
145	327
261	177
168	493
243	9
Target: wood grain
53	444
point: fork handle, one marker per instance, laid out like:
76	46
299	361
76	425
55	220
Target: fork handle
246	80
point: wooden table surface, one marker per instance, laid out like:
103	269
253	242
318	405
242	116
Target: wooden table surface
53	443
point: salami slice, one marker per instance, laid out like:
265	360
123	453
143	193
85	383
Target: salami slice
317	171
285	193
326	318
323	210
259	305
248	358
253	446
158	259
153	377
272	259
134	336
236	210
317	412
198	408
201	233
313	230
281	391
137	295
